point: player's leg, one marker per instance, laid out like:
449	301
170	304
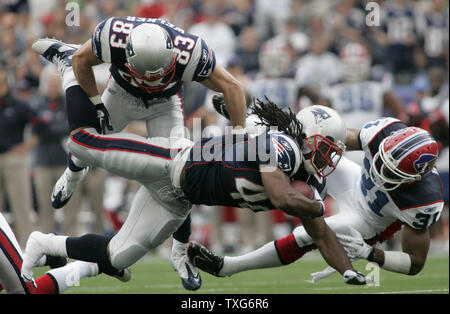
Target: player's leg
131	156
273	254
54	281
166	119
148	224
80	112
10	260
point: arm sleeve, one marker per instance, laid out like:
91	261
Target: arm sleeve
100	41
201	63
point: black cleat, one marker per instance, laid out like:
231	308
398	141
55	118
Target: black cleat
204	259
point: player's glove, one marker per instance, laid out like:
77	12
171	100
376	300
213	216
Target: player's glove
354	245
352	277
104	118
220	106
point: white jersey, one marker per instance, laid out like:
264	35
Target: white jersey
281	91
357	102
418	205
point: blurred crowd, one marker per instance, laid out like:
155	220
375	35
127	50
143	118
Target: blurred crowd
296	52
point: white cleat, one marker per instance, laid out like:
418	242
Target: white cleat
56	52
65	186
38	245
190	277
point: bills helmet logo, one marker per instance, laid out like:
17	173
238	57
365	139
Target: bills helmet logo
320	115
424	162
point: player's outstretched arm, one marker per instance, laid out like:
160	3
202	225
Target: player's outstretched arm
327	243
415	244
233	92
283	196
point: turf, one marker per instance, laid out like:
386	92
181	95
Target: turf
154	275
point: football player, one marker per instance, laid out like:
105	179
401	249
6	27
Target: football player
397	188
150	59
238	170
57	280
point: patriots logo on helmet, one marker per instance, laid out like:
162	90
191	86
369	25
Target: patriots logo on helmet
423	162
320	115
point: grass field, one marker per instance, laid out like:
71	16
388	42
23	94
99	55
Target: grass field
154	275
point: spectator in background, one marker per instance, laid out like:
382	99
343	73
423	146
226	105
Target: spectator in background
179	13
217	34
29	66
15	183
433	30
319	67
270	16
239	15
49	157
428	108
292	36
110	8
400	37
247	50
346	22
11	45
148	9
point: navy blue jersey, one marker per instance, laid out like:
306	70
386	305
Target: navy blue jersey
15	114
226	170
195	62
433	31
398	22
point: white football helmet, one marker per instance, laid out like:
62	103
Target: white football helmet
151	57
355	62
324	141
274	58
403	157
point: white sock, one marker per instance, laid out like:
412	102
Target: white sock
70	275
69	79
178	247
57	245
264	257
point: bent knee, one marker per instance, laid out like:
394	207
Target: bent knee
124	258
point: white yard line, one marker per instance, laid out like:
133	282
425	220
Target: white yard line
414	291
